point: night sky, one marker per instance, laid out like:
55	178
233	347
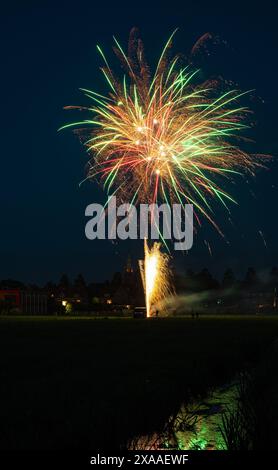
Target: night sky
48	53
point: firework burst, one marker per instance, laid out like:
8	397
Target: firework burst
164	137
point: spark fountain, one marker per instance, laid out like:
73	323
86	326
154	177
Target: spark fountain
156	277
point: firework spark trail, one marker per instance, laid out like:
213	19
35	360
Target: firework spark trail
263	238
162	137
208	247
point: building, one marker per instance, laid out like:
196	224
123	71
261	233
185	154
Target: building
23	301
130	290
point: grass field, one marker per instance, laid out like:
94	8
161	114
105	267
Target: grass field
79	383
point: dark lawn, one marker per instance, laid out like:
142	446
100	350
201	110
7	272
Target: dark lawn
72	383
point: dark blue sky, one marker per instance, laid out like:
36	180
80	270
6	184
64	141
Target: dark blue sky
48	52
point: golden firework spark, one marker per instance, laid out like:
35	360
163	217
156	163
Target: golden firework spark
156	277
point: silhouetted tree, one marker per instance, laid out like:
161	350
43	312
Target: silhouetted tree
229	279
251	280
64	283
80	283
117	280
190	281
50	286
205	281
